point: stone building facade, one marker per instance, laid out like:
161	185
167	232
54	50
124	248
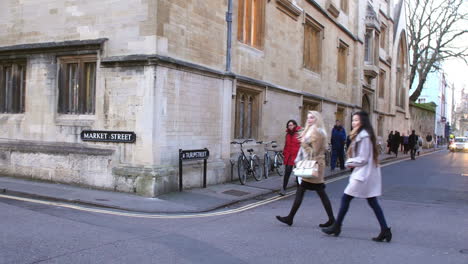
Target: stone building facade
186	75
423	117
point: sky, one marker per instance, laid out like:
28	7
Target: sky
457	74
456	69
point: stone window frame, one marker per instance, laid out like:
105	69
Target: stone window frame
309	105
344	6
247	112
82	101
371	46
340	114
382	81
368	44
383	37
12	86
400	87
313	63
342	62
251	22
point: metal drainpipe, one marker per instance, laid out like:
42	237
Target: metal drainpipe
229	38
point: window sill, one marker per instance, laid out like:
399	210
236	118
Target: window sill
18	117
312	73
251	49
400	110
75	120
341	85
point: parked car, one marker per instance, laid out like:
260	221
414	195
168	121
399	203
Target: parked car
459	144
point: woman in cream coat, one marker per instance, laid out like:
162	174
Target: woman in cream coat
365	180
313	143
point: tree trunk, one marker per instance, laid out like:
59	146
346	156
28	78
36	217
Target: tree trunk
415	95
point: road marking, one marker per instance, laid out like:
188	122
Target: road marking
180	216
141	215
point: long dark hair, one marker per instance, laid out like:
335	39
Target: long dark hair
291	121
367	126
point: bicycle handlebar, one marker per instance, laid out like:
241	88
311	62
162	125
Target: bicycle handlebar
267	142
243	142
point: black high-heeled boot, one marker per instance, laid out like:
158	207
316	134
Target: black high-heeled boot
287	220
335	230
327	224
385	234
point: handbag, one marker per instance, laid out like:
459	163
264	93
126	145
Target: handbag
306	169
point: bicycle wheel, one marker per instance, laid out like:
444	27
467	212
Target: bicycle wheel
279	164
256	167
266	165
242	167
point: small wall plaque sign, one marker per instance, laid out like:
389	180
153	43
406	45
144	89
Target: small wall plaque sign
108	136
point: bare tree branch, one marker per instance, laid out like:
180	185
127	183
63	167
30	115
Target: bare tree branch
433	29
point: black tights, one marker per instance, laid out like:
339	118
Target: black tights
287	173
320	189
373	203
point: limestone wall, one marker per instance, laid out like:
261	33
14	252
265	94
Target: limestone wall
130	25
422	121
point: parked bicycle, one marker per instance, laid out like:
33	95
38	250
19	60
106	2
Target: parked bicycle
248	165
269	164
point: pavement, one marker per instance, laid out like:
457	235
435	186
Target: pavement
195	200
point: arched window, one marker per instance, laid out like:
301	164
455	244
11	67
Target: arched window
400	95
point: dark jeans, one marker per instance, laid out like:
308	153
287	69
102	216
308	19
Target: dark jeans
413	153
373	203
287	173
337	153
320	189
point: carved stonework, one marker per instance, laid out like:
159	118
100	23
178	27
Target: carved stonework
334	11
290	8
371	71
371	18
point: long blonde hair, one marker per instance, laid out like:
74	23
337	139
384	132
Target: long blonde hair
317	125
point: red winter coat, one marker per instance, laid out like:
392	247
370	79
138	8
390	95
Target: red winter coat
291	146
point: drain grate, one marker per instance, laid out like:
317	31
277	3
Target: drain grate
464	251
235	193
102	200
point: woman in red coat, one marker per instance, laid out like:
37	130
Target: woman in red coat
291	147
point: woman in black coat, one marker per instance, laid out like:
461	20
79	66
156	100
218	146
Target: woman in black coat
396	142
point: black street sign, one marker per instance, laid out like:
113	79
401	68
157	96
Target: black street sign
194	154
108	136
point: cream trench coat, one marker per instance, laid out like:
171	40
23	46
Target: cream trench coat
365	180
313	148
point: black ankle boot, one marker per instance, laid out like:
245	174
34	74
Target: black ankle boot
287	220
334	229
327	224
385	234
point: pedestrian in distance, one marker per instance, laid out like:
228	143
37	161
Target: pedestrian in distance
365	180
402	143
412	143
389	142
406	146
313	144
338	140
291	147
396	143
419	145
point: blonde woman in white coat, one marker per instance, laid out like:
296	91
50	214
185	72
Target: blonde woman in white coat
365	180
313	144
